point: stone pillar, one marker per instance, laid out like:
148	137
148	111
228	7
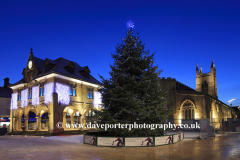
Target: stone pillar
81	122
64	120
38	123
18	123
11	121
57	114
71	123
14	124
84	123
26	123
50	116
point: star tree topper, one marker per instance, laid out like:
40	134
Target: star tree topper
130	25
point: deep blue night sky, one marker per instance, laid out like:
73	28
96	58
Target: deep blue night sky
178	32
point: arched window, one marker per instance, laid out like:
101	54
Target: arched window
90	113
77	114
188	110
205	87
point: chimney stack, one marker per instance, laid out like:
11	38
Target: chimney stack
6	82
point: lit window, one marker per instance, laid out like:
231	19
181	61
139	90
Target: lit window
77	114
30	93
72	89
19	95
90	93
90	113
188	111
41	89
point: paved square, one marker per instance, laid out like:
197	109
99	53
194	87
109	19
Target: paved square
72	147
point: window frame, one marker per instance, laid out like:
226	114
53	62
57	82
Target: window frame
75	114
72	88
92	113
90	93
41	92
30	92
19	97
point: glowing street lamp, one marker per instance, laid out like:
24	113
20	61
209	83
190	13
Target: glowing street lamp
231	101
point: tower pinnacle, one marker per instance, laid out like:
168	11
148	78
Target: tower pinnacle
31	51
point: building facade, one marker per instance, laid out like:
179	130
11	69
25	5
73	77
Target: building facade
5	99
54	93
237	111
190	104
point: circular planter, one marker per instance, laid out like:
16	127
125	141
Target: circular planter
92	138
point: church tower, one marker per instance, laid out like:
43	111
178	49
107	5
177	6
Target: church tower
207	82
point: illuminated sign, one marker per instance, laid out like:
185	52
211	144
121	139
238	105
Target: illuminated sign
4	119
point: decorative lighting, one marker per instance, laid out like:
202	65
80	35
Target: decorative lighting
231	101
35	95
97	99
14	101
48	89
130	25
180	119
70	111
24	96
196	117
63	93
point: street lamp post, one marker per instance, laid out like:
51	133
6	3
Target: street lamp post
230	102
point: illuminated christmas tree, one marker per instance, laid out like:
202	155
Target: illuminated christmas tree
133	93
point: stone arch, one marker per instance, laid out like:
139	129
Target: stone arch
187	110
42	108
71	109
68	116
18	112
89	115
86	110
43	117
29	119
30	108
18	118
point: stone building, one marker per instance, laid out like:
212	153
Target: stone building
54	93
5	99
190	104
237	111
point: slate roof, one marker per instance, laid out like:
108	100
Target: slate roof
5	92
59	68
182	87
39	63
